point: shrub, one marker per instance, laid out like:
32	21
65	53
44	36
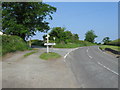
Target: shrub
12	44
37	42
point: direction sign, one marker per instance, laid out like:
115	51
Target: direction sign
50	44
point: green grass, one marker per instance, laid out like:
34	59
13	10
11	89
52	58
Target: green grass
28	54
66	45
117	48
49	56
115	42
73	45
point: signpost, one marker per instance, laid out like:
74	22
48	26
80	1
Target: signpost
49	44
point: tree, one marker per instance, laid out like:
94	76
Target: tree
68	37
58	33
25	18
106	40
75	37
62	36
90	36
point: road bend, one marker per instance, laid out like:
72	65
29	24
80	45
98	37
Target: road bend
93	68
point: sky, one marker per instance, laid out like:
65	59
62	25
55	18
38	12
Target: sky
79	17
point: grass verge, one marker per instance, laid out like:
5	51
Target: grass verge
49	56
28	54
72	45
117	48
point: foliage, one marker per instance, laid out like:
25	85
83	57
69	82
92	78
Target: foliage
37	42
115	42
12	44
106	40
117	48
49	56
25	18
62	36
74	45
28	54
90	36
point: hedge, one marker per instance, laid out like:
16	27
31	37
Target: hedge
12	43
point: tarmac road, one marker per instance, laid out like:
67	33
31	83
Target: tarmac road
93	68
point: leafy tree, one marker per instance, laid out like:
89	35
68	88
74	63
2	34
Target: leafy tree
68	37
58	33
25	18
90	36
106	40
62	36
75	38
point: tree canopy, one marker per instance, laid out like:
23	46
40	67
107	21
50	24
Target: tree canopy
90	36
25	18
106	40
62	35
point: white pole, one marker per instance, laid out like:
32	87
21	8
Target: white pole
47	49
30	43
47	42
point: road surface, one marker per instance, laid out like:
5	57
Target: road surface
33	72
93	68
84	67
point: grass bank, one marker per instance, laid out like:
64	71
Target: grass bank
74	45
49	56
114	42
117	48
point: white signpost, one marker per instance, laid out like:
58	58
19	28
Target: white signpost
49	44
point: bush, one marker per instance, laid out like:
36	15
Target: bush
12	44
37	42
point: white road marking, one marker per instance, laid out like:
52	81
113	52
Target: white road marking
87	50
107	54
108	68
88	54
66	55
70	52
100	50
103	52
